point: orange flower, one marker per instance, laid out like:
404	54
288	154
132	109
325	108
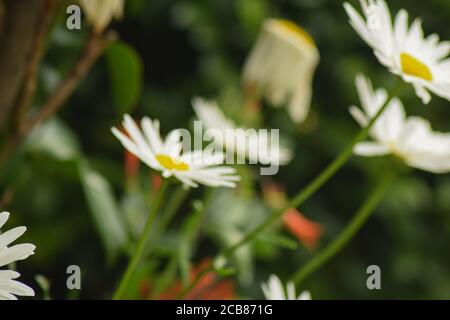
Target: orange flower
306	231
156	182
131	165
210	287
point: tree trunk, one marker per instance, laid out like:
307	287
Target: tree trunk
18	24
2	14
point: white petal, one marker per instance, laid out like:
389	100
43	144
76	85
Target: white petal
291	291
8	274
3	218
126	142
437	165
16	288
151	131
357	22
6	296
359	116
401	25
392	121
305	295
136	136
301	101
415	134
144	153
422	93
11	235
370	149
15	253
276	288
186	181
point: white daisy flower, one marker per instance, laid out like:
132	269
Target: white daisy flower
409	138
281	66
191	168
273	289
252	144
99	13
9	287
420	61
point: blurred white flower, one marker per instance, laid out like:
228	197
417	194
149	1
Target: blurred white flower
9	254
273	289
251	144
281	66
409	138
422	62
99	13
191	168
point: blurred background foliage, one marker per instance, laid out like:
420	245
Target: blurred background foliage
69	182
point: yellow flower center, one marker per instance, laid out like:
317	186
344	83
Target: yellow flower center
296	30
171	164
414	67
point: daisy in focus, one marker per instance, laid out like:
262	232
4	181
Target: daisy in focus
409	138
281	67
273	289
100	13
421	61
191	168
9	287
246	143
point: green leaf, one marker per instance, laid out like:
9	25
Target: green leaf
226	272
125	68
56	139
44	284
279	240
251	14
104	209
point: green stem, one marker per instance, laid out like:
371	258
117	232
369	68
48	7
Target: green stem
318	182
174	203
164	279
194	283
172	207
312	187
190	235
190	231
141	244
346	235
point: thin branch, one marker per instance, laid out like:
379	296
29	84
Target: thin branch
47	13
93	49
17	35
2	15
